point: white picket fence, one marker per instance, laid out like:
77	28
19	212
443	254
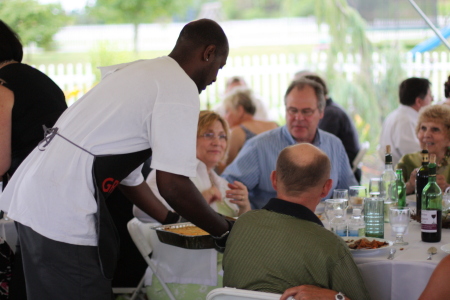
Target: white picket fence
269	75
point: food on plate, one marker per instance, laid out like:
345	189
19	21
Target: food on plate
187	230
366	244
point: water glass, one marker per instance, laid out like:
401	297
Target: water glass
357	194
399	219
374	187
374	217
340	194
335	208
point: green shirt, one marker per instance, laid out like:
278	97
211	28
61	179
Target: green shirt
270	252
411	161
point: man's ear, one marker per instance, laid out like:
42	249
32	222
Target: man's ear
326	188
209	53
273	179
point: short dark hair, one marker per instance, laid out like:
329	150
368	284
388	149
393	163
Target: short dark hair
301	83
412	88
10	45
447	88
203	32
296	178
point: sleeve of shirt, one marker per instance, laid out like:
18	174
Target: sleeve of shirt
245	167
346	176
346	278
174	137
406	139
134	178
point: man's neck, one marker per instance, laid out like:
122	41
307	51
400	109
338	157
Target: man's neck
306	200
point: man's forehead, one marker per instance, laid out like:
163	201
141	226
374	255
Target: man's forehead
303	98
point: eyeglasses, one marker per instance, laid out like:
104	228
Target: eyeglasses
212	136
307	112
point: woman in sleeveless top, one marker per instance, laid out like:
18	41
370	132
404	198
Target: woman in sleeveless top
240	110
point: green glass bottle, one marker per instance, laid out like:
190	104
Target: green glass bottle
431	223
401	189
421	182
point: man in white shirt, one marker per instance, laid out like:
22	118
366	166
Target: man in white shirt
57	196
399	127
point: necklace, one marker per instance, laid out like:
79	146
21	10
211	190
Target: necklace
6	62
444	160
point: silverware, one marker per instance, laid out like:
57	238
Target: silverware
392	253
431	251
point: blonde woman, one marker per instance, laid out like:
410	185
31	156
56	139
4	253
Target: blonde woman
191	274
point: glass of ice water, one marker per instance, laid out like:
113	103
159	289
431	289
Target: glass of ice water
399	219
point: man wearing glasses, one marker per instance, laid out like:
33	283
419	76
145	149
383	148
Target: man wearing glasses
305	102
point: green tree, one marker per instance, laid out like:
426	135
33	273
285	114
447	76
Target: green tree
133	11
32	21
363	95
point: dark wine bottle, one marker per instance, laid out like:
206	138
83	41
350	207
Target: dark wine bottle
431	224
421	182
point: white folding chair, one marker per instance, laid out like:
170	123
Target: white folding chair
238	294
140	234
359	157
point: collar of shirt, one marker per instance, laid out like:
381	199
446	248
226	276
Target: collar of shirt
317	140
408	110
292	209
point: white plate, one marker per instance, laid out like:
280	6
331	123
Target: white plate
360	251
446	248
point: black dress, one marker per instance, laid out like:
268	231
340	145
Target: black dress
37	101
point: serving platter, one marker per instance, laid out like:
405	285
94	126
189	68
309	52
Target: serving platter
181	240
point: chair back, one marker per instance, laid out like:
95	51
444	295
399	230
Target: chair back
359	157
238	294
141	234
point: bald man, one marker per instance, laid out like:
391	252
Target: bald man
284	245
57	196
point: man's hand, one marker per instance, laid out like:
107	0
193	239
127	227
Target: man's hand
309	292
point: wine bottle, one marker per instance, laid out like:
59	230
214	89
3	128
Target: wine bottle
401	189
431	206
388	184
421	182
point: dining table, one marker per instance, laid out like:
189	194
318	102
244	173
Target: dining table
406	275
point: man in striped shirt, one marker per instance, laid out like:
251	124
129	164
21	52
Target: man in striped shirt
284	246
305	103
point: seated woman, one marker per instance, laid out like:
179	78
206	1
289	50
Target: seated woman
239	112
433	132
200	270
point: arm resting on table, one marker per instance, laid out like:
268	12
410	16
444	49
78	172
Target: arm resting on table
186	199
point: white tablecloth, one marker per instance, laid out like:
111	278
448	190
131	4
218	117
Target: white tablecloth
406	276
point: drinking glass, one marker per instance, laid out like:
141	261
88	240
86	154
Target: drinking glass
374	187
399	219
340	194
357	194
335	208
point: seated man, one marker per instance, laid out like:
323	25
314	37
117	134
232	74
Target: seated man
399	127
285	245
305	103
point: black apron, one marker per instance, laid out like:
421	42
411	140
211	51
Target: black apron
107	172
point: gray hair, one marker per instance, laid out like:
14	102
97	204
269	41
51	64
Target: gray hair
301	83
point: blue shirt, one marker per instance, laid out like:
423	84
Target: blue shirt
258	157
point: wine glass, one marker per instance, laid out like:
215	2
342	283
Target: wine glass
399	219
340	194
374	187
357	194
335	208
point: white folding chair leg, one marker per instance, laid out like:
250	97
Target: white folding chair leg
138	289
164	285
